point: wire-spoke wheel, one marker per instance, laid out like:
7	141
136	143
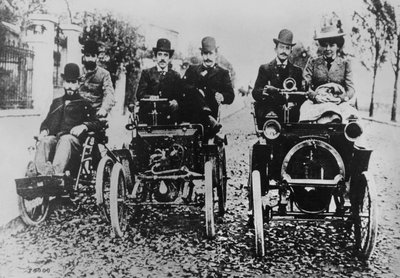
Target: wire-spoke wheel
118	210
103	181
33	211
365	222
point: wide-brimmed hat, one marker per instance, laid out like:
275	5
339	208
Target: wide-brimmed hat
163	45
331	27
285	36
71	72
328	32
90	47
208	44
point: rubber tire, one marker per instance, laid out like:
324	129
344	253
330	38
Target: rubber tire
101	187
258	213
366	246
27	217
222	178
118	192
209	198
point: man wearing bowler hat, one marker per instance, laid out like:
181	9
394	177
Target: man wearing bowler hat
63	131
160	81
271	77
96	85
266	90
206	87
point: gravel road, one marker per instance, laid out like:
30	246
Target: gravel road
170	242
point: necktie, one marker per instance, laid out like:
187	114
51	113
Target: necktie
329	63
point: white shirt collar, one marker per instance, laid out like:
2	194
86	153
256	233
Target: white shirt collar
162	70
279	63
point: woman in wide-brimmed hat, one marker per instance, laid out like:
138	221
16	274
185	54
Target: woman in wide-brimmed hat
329	78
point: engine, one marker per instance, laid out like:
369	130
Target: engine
161	155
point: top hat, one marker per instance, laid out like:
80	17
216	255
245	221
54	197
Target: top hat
208	44
331	27
285	36
90	47
163	45
71	72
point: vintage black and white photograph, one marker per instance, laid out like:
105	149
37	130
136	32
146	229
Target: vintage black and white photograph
187	138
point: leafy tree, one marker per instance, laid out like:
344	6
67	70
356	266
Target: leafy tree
120	40
371	35
395	49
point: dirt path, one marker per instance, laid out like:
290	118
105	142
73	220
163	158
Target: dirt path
165	242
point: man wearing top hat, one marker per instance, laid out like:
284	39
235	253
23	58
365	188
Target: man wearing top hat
63	131
206	86
271	77
160	81
96	85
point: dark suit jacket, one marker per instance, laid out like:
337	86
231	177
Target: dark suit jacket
268	74
210	82
165	86
64	115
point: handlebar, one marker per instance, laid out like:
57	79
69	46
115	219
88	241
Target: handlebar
153	99
293	93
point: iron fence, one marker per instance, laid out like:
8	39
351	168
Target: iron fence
16	69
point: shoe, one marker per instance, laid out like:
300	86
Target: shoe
31	170
49	169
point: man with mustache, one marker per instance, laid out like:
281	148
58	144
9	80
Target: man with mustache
96	85
270	80
206	87
64	130
160	81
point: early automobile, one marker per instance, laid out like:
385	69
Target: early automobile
167	163
35	192
306	170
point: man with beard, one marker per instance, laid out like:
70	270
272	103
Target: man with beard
206	87
270	80
96	85
160	81
63	131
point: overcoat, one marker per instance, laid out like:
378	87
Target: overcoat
65	113
210	81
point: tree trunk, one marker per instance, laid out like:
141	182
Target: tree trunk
394	104
371	105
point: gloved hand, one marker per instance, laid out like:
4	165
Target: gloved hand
43	134
173	105
78	130
270	90
219	97
131	107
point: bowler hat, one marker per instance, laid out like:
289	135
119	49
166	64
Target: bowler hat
90	47
71	72
285	36
208	44
163	45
